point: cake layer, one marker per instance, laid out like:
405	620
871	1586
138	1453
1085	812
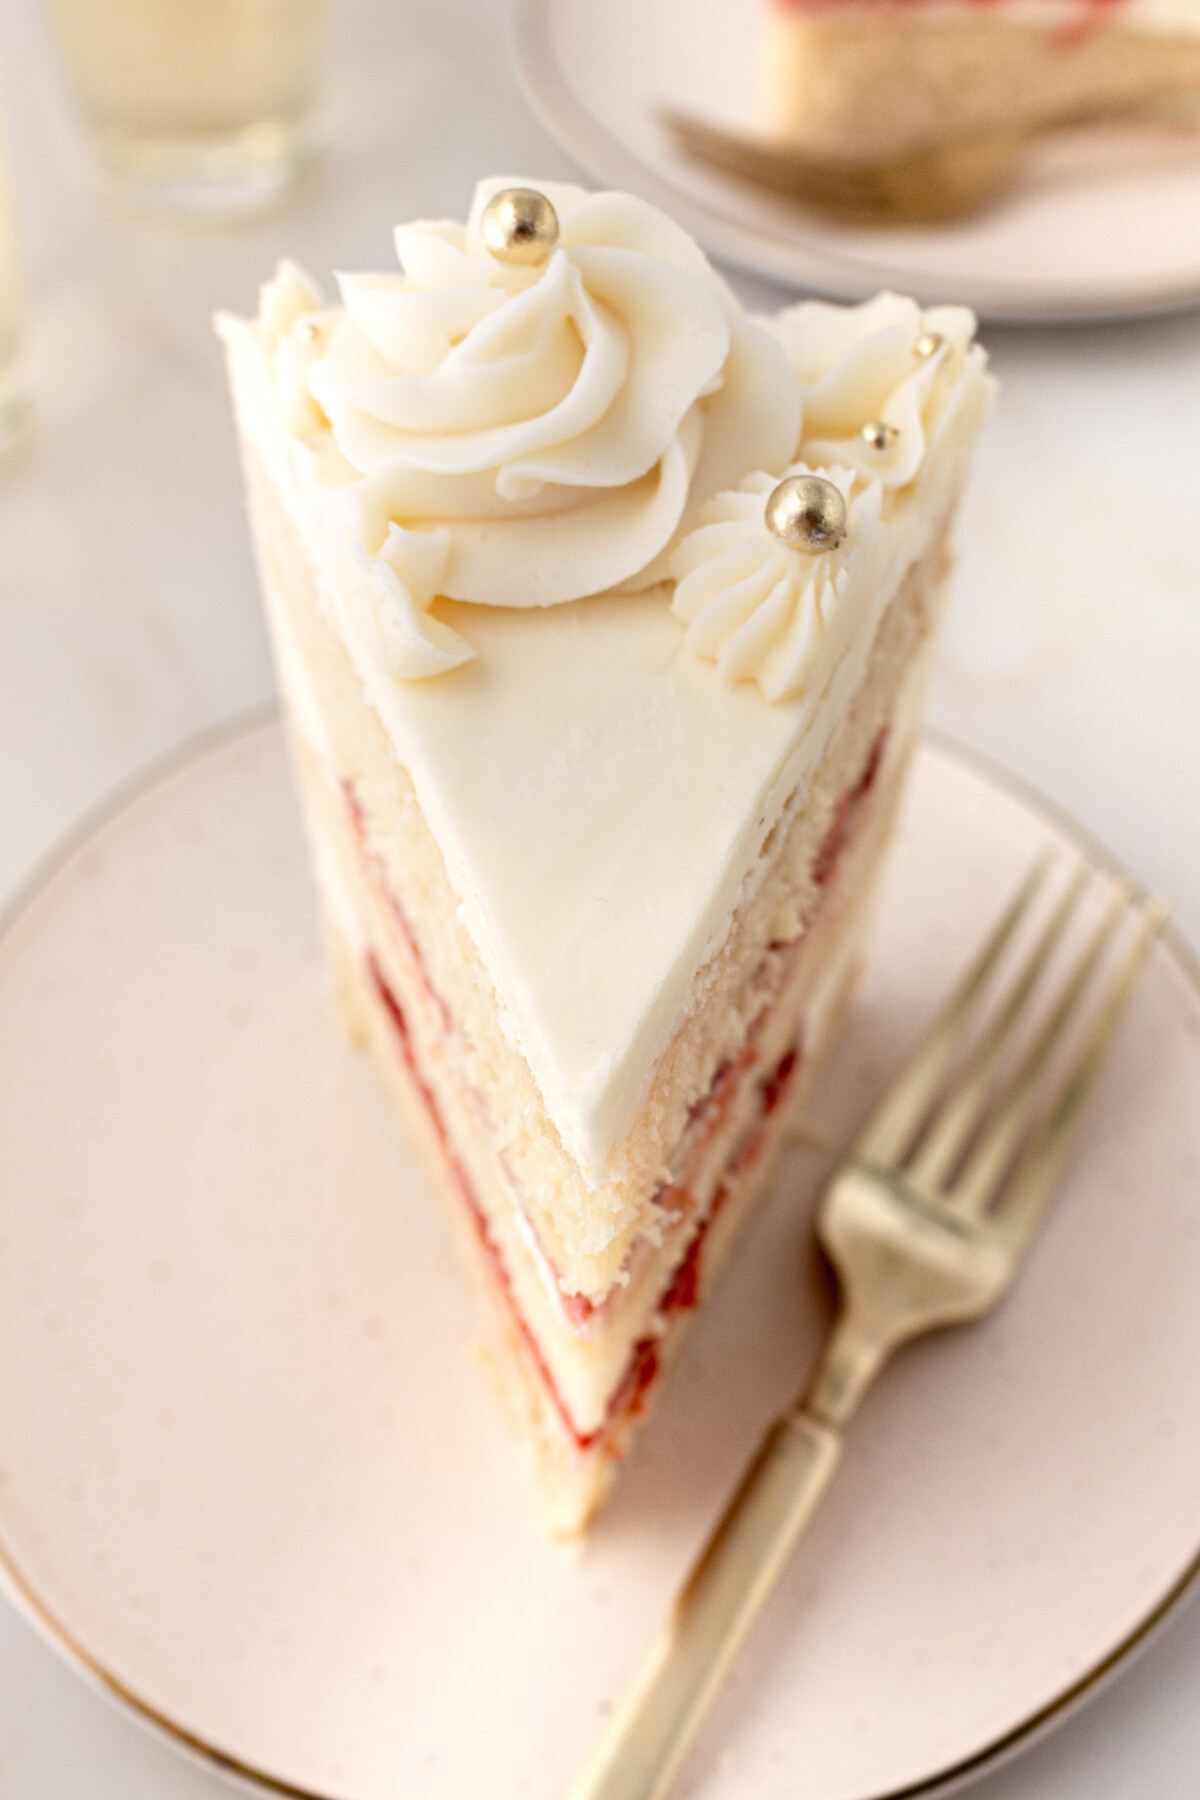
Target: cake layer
575	1468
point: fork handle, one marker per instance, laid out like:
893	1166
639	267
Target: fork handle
645	1741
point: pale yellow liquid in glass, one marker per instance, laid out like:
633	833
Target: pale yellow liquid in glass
12	388
174	88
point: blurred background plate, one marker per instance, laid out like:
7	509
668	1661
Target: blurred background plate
1097	225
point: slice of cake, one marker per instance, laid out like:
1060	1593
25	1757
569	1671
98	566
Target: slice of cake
889	83
603	615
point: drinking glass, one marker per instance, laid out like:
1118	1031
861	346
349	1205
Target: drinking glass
13	393
196	105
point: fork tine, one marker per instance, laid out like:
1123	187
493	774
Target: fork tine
772	165
1037	1172
894	1123
961	1110
978	1180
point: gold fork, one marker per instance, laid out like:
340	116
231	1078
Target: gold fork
926	1223
928	184
925	186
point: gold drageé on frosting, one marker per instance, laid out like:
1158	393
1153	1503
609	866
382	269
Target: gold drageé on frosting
806	513
877	434
519	226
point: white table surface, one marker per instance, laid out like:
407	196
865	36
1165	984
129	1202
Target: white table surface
129	621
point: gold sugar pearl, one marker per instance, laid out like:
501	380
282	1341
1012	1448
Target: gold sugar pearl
309	331
519	226
878	435
927	345
806	513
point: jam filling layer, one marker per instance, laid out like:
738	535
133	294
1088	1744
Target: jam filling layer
684	1291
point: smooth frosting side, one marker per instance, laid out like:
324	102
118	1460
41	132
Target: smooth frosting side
601	794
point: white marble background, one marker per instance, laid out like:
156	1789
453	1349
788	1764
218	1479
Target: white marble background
129	621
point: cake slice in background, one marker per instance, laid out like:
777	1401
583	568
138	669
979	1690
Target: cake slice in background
875	85
603	616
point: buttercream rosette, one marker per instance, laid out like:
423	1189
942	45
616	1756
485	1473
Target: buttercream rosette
760	610
551	428
858	365
766	613
524	437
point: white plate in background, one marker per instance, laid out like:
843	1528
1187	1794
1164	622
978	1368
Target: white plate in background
1097	225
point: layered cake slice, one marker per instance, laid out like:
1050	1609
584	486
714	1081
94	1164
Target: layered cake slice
603	616
887	84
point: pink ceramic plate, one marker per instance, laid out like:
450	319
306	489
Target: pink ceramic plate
1097	224
251	1477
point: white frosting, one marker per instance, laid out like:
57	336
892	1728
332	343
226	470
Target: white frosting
764	612
523	437
601	795
857	364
